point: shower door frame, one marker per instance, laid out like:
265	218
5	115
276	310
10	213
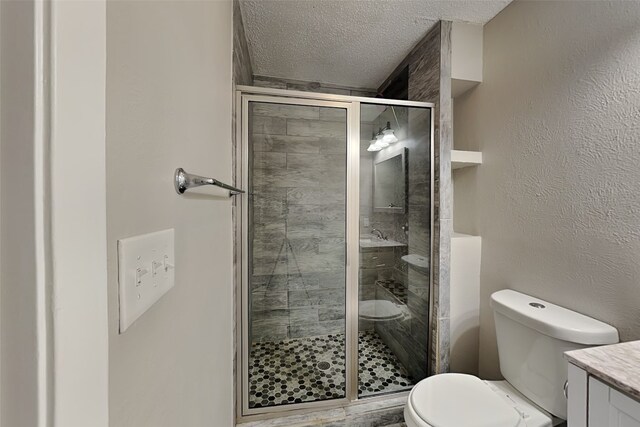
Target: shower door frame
351	104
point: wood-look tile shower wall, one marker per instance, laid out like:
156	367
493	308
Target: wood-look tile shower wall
298	181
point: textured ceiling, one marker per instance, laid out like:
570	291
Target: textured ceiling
354	43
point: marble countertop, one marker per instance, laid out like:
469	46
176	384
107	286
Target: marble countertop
616	364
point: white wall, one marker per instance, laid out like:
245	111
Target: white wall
464	305
78	213
466	51
53	230
556	199
169	104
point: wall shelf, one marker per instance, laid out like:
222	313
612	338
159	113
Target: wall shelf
462	159
461	86
457	235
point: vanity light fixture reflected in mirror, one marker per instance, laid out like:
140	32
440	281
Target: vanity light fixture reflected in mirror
382	140
388	135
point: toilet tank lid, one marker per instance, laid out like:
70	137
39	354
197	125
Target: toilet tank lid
552	320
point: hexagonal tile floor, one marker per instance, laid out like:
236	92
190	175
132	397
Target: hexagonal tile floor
379	369
311	369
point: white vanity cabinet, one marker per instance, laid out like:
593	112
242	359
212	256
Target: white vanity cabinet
594	403
609	407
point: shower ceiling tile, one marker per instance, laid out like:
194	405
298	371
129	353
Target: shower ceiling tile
346	42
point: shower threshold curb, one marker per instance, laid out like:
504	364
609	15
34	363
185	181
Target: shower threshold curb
379	411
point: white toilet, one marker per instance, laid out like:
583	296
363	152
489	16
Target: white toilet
532	336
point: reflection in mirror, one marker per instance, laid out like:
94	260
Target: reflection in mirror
390	182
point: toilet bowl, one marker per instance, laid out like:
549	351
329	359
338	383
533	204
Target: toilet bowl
532	336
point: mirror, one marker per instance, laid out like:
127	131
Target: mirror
390	182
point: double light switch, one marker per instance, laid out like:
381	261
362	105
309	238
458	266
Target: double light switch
146	271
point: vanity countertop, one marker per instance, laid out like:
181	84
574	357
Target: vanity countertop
375	242
616	364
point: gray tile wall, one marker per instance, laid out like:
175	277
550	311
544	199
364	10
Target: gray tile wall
298	176
242	70
281	83
444	199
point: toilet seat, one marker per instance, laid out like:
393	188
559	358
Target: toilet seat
458	400
379	310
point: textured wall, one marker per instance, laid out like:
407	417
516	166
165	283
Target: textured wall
558	121
169	97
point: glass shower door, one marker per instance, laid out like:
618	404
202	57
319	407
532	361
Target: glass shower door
395	247
334	249
294	284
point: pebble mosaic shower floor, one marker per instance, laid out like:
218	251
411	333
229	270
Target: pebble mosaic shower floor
310	369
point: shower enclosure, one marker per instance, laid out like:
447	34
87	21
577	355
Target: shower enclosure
333	248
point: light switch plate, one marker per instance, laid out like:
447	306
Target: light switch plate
146	271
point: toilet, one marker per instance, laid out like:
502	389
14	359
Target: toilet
532	336
381	310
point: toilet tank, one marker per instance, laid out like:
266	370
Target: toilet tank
532	336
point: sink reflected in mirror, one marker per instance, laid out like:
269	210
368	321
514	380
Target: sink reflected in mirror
376	242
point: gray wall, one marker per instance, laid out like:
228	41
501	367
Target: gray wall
556	199
19	335
298	181
169	94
